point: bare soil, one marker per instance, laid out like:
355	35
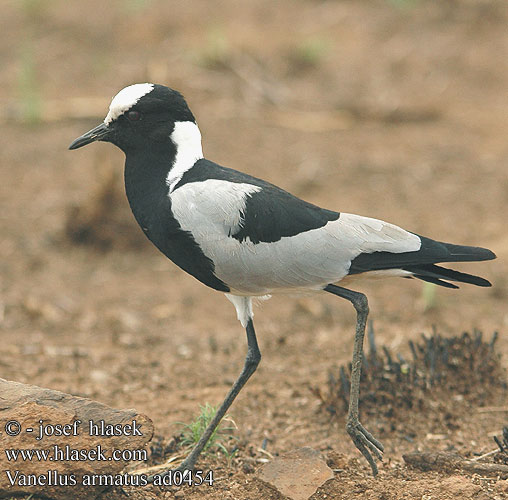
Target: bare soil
391	109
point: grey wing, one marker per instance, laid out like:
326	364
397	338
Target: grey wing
309	259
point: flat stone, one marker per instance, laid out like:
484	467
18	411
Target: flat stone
297	474
33	418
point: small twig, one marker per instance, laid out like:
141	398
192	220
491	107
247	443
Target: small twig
501	445
267	453
56	110
388	356
254	76
372	340
485	455
155	468
450	462
492	409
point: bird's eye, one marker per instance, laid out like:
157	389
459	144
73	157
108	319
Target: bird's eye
133	116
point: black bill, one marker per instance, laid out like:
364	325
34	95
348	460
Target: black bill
96	134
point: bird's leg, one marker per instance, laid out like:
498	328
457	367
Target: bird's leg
363	439
251	363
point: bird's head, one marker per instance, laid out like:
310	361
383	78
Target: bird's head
144	116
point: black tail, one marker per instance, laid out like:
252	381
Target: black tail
422	263
453	253
435	274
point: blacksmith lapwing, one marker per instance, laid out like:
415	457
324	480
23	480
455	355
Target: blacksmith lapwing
248	238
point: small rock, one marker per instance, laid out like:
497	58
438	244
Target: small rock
39	308
99	376
75	454
297	474
247	468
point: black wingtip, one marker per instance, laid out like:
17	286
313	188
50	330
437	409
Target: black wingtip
491	255
485	254
461	253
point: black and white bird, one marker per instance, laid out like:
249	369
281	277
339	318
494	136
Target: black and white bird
248	238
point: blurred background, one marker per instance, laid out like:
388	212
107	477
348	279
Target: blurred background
395	109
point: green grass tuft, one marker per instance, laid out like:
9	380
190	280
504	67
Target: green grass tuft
135	6
403	4
28	86
429	296
216	52
309	52
193	431
33	9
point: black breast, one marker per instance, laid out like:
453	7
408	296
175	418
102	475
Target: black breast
147	192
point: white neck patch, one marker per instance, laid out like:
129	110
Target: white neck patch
125	99
187	139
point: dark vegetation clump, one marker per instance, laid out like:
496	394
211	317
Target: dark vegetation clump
161	449
446	369
502	442
103	220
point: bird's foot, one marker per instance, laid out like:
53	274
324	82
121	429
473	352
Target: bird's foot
365	442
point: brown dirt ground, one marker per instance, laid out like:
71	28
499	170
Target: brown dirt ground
392	109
